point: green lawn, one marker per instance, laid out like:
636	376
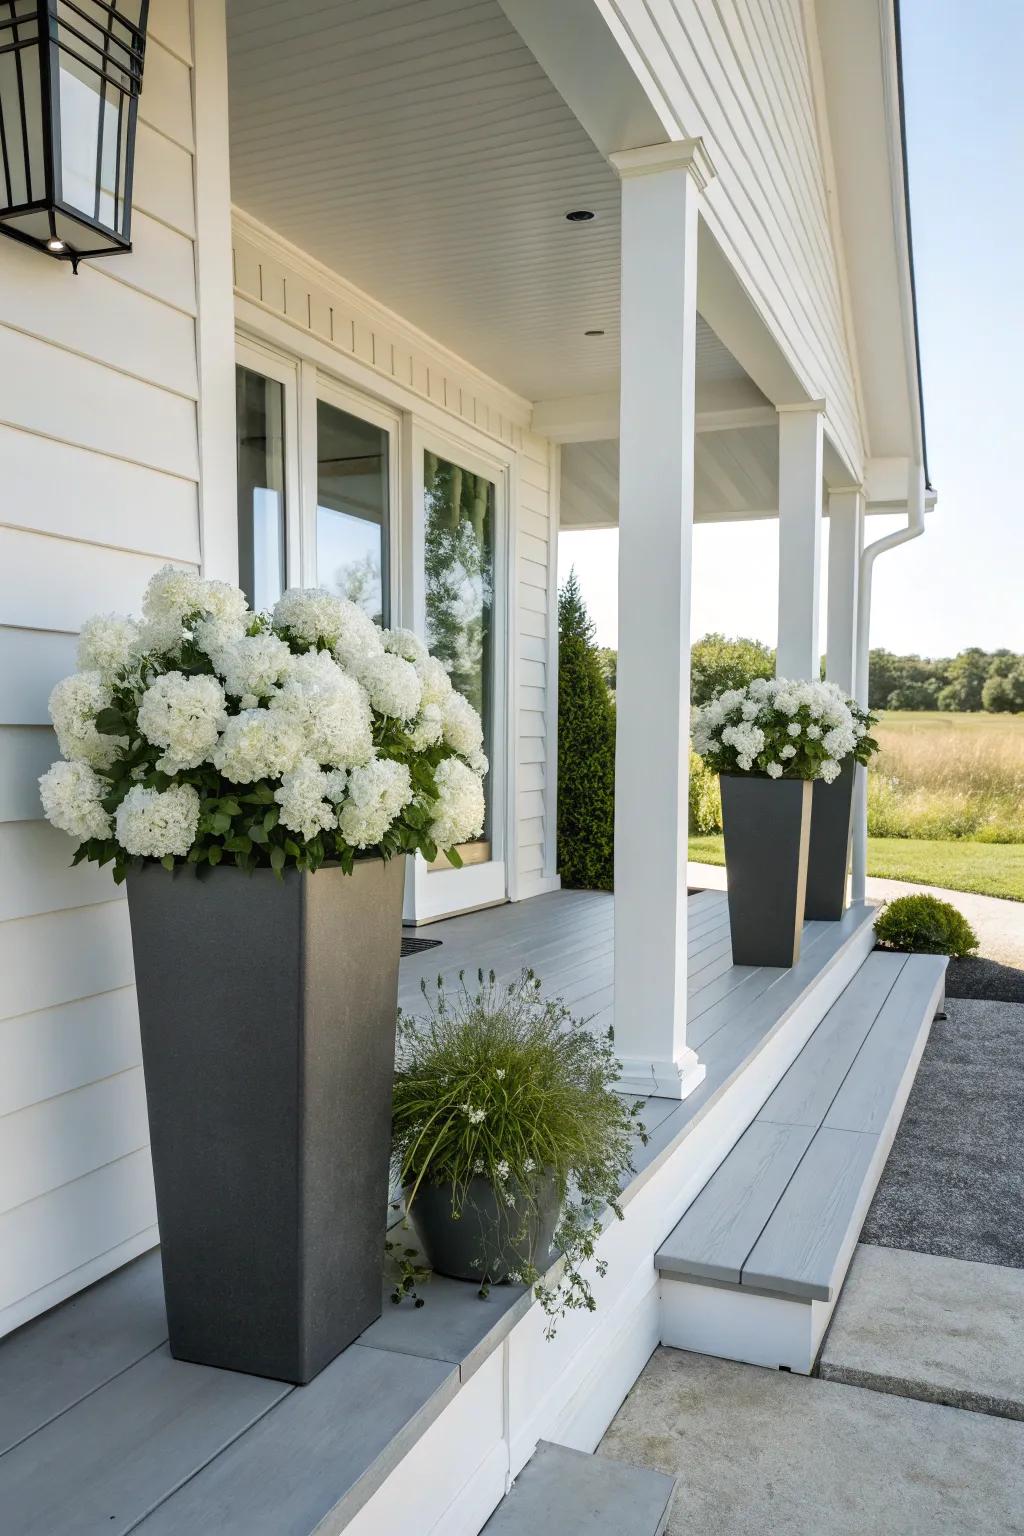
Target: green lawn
990	869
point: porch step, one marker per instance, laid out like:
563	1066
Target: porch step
753	1269
573	1494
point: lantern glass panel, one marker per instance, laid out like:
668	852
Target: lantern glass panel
23	168
79	134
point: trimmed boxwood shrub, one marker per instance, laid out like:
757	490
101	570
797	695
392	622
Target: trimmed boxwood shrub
924	925
586	750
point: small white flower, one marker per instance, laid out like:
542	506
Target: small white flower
773	770
794	728
529	1165
829	770
499	1073
473	1115
478	1165
185	716
71	795
502	1169
814	732
788	751
107	644
151	823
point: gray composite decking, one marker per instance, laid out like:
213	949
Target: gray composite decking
782	1211
100	1429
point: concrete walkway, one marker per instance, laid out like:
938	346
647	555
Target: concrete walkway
760	1452
941	1330
999	924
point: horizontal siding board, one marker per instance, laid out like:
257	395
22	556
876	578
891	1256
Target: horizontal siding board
533	629
58	1140
532	599
534	523
56	584
57	1050
531	831
31	661
532	549
60	489
61	956
162	185
169	22
65	1229
160	264
78	401
25	752
165	102
533	573
38	877
104	320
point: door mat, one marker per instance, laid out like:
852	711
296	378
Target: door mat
417	946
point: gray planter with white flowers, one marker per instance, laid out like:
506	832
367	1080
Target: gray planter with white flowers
829	857
767	825
268	1014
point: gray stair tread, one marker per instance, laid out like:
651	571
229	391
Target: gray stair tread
806	1091
724	1222
865	1098
573	1494
783	1210
798	1251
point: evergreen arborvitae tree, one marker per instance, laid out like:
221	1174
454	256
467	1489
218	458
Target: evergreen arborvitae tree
586	750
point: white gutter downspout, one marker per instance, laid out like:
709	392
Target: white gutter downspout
913	530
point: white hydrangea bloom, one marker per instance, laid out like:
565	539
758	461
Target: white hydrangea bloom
172	594
185	716
460	809
463	730
814	732
829	770
428	728
71	795
402	642
436	683
74	704
377	792
773	770
744	762
252	665
303	798
152	823
794	728
747	738
392	684
259	744
225	603
840	740
358	639
750	709
107	643
329	709
788	752
337	783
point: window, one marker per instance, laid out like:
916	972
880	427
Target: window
260	441
459	584
352	509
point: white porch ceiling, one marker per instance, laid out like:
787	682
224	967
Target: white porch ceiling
419	150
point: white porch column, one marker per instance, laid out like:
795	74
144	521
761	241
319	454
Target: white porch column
845	542
661	188
800	467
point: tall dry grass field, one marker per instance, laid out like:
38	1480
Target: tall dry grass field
948	776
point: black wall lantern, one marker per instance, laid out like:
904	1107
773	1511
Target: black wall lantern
70	76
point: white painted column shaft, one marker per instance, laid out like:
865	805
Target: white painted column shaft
800	467
845	542
660	192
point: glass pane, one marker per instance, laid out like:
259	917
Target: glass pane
79	134
259	416
352	509
459	561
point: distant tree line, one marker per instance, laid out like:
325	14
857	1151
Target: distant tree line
973	680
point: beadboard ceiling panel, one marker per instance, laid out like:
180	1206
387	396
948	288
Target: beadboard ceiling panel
417	148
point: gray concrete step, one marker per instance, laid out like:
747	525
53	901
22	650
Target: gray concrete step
572	1494
940	1330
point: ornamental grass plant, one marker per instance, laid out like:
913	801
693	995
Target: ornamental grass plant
206	733
499	1083
783	728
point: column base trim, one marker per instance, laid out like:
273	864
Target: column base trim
661	1079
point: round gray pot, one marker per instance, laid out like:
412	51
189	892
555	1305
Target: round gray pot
488	1240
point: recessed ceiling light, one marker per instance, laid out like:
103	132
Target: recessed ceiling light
593	333
581	215
55	245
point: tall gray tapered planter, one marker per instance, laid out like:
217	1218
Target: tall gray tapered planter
268	1035
829	857
767	825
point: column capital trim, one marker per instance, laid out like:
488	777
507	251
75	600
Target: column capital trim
677	155
819	407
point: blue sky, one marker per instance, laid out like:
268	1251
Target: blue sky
963	583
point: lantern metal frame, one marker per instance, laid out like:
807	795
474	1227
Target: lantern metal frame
63	27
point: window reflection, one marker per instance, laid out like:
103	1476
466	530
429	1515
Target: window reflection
259	426
352	509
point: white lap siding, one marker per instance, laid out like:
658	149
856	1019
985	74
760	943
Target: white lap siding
98	448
